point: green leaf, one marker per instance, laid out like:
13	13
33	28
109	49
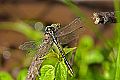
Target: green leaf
51	54
117	40
86	42
5	76
47	72
22	75
61	71
94	57
22	28
50	61
68	50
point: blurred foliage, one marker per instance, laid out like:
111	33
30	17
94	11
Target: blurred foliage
117	40
91	62
5	76
22	74
83	17
23	28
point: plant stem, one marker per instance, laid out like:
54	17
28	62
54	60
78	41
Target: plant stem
117	8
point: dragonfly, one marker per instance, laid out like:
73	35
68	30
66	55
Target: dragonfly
104	17
53	34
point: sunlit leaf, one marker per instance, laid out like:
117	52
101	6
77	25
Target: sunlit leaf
68	50
47	72
61	71
50	61
51	54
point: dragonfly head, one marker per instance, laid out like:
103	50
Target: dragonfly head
56	26
52	29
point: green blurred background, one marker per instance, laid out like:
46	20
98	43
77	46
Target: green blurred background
97	48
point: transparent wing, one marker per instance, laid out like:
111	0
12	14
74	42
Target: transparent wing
36	62
30	45
70	32
75	24
70	37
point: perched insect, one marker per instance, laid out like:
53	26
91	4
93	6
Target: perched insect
104	17
53	34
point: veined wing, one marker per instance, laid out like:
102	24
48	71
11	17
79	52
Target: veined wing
75	24
70	32
36	62
30	45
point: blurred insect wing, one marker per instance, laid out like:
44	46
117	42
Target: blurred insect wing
70	32
30	45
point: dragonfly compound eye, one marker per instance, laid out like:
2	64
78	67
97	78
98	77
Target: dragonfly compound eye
47	29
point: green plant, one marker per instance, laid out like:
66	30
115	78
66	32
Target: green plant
117	41
90	62
5	76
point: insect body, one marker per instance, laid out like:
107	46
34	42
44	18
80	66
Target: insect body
104	17
53	34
